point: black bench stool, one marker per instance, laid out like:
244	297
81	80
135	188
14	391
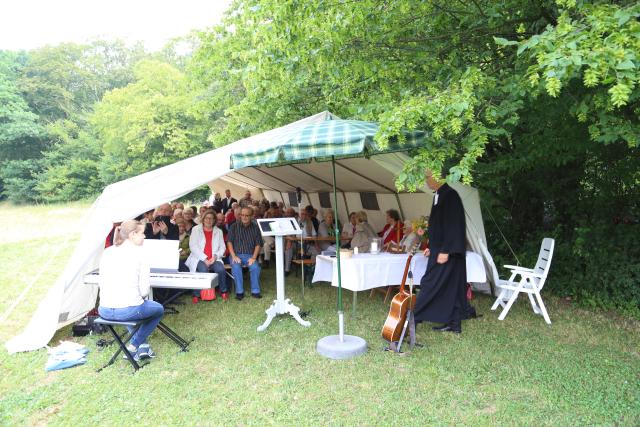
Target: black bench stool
121	340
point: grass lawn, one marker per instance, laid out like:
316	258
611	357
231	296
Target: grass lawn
582	370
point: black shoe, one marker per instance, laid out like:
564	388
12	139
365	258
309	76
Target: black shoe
447	328
286	273
265	265
239	297
258	295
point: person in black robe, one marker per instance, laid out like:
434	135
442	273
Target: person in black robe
442	296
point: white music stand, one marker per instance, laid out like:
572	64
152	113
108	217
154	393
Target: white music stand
279	227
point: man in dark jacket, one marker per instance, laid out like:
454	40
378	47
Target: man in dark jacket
442	288
161	226
227	201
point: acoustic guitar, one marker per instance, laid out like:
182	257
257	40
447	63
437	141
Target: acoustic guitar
403	301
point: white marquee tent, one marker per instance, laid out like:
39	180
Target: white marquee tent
69	299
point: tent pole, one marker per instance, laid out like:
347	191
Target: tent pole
402	217
346	205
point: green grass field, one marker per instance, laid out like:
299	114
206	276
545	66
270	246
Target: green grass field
582	370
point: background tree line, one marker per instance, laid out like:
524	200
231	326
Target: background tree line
536	101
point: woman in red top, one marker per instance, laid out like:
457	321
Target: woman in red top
393	230
207	250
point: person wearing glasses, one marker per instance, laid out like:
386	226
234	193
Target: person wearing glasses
206	244
244	242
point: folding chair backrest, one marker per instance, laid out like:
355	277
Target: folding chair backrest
489	260
544	260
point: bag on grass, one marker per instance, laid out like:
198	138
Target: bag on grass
208	294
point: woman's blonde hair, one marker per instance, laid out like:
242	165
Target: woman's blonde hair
125	229
361	216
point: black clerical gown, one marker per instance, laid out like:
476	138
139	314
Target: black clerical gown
442	288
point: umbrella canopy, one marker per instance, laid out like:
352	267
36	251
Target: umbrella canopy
321	141
326	140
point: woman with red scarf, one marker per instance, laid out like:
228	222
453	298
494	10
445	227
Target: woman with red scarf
393	230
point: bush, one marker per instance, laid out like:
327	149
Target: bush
600	267
197	196
19	180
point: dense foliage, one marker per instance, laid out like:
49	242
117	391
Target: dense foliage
536	102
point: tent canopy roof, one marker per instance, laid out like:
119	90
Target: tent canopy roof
352	175
69	299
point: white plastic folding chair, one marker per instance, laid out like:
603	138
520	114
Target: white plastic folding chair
531	282
493	271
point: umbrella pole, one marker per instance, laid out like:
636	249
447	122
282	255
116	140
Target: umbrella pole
335	219
301	254
340	346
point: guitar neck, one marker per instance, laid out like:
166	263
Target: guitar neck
406	272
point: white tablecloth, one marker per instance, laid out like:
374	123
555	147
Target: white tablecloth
367	271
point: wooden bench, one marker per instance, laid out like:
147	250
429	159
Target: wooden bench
308	265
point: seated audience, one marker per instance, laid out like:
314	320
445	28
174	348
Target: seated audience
189	223
217	203
327	229
148	216
269	241
364	233
177	214
246	201
161	227
124	285
222	226
392	231
230	216
109	240
290	213
244	242
184	245
207	250
312	215
309	249
410	238
201	211
349	229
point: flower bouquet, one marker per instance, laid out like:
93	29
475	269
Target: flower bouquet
420	226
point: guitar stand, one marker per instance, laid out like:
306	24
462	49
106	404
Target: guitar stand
395	346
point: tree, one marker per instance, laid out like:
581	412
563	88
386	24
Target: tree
65	81
530	98
149	123
20	132
70	169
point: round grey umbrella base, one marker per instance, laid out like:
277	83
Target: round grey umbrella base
331	347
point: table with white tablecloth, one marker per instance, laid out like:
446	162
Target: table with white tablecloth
361	272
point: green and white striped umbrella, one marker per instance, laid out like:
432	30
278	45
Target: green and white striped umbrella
321	141
325	141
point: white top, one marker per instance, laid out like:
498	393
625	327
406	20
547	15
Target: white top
347	229
197	242
124	276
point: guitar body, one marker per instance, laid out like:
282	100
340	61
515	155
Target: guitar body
401	302
397	315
